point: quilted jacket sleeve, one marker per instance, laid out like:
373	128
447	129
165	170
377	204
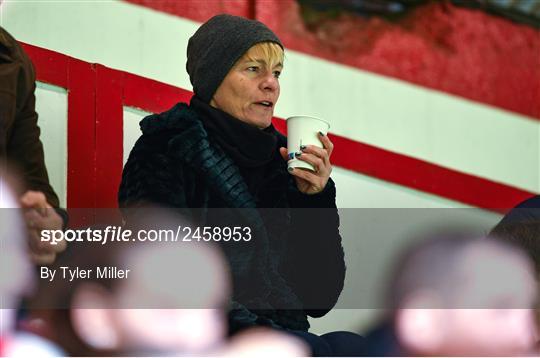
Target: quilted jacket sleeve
315	266
150	177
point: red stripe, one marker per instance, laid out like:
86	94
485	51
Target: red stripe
150	95
50	67
109	133
81	184
95	120
424	176
464	52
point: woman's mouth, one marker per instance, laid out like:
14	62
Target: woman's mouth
266	104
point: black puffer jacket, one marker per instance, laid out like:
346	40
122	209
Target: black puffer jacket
293	266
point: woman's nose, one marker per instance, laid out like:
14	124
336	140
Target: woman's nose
270	83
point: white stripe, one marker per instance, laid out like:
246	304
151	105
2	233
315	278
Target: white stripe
131	129
385	112
51	104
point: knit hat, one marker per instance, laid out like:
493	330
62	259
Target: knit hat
216	46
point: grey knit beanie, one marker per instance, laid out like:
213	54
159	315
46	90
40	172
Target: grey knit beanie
217	45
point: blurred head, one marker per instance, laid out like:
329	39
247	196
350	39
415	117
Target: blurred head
16	278
233	64
263	342
172	302
460	296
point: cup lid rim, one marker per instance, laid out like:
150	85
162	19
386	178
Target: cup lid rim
312	117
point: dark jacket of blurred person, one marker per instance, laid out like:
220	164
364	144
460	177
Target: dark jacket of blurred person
521	226
19	137
21	149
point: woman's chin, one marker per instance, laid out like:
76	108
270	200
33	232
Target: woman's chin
265	124
260	122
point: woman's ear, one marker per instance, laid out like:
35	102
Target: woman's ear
420	326
92	317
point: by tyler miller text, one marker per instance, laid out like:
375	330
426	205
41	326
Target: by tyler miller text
76	273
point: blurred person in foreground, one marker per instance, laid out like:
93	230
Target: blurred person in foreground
222	151
457	296
171	302
16	280
521	226
21	148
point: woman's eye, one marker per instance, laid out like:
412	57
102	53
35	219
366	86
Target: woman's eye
277	74
253	68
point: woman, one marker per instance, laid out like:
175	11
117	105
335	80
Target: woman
222	151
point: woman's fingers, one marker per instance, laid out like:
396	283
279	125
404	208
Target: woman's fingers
311	149
307	175
327	143
322	153
34	199
36	222
283	152
317	162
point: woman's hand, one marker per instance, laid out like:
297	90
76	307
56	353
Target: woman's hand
309	182
41	216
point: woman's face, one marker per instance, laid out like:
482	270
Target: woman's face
250	90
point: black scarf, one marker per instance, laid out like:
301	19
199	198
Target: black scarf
252	149
247	145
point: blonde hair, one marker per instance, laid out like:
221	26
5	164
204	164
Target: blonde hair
271	52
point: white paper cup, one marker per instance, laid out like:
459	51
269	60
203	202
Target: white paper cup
303	130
